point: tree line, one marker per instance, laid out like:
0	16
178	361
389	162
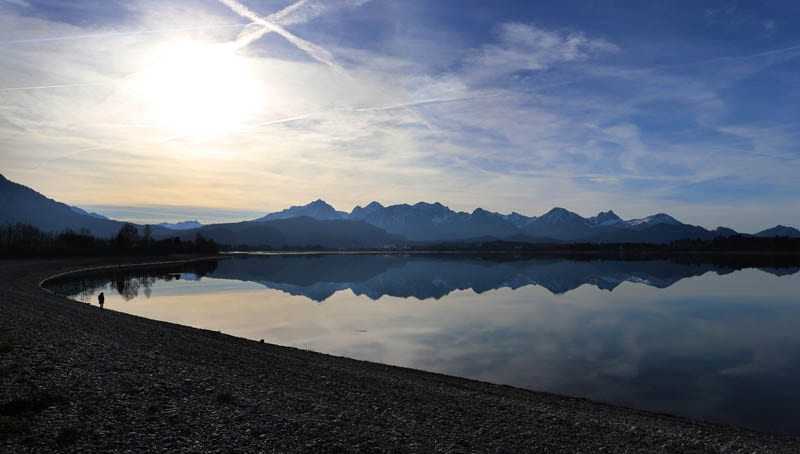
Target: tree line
23	240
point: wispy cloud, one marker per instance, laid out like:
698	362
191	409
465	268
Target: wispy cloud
528	47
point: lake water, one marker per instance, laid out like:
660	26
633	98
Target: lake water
707	341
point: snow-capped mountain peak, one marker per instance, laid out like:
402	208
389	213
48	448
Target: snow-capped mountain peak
659	218
182	225
318	209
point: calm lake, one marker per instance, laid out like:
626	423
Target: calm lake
707	341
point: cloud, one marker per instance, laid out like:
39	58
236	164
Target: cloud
528	47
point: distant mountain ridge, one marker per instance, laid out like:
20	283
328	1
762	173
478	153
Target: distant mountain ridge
431	222
780	230
80	210
298	232
181	225
318	224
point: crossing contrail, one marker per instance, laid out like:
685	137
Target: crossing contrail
313	51
296	13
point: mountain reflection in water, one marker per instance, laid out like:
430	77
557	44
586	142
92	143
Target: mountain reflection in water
717	341
319	276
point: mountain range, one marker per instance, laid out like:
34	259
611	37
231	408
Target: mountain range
318	224
434	222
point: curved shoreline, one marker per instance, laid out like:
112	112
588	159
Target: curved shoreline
122	267
78	378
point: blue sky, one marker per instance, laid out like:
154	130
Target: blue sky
170	107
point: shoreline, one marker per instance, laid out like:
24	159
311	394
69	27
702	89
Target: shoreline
79	378
101	269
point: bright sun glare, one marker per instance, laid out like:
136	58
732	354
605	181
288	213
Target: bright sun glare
198	90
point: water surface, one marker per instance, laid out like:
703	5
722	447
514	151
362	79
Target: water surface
701	340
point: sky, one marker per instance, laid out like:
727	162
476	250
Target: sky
227	109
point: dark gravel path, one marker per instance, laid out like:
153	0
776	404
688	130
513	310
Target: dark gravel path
75	378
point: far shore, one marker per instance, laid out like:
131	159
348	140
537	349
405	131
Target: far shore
523	252
77	378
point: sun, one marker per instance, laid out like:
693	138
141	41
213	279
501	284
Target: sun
198	90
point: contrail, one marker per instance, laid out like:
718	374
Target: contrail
314	51
67	155
423	102
40	87
373	109
52	86
765	53
297	13
112	34
747	57
246	128
307	10
398	106
285	120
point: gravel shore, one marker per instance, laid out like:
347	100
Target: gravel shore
77	378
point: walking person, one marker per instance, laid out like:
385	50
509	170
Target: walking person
101	299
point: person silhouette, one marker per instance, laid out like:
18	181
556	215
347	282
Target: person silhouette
101	299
